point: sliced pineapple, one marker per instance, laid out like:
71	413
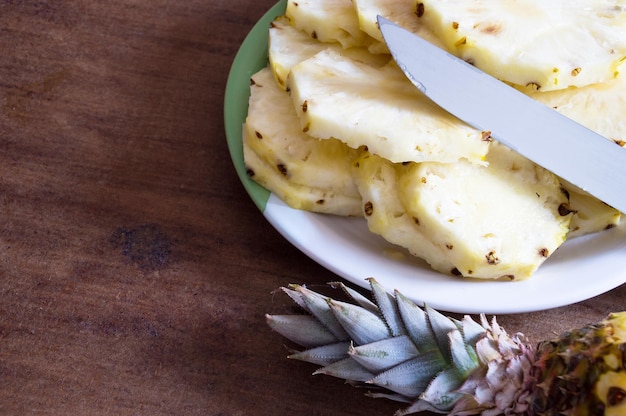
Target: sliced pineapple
546	45
500	221
378	108
288	46
401	12
599	107
298	196
377	181
328	21
305	172
590	214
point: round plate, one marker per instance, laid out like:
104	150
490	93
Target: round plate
582	268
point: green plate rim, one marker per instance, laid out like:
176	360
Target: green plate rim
247	62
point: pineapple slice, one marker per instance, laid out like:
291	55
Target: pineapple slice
298	196
400	12
584	105
500	221
306	173
590	214
599	107
379	108
288	46
377	181
546	45
328	21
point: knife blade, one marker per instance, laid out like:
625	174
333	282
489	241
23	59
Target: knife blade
573	152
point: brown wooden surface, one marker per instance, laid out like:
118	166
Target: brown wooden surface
134	269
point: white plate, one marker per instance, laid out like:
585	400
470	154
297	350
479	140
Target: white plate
582	268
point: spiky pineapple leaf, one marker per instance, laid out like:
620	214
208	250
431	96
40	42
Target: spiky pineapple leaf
362	325
382	355
324	355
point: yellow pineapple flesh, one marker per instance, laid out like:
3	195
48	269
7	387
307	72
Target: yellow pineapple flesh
327	21
545	45
305	172
499	221
379	108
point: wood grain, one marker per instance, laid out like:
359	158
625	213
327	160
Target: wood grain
135	272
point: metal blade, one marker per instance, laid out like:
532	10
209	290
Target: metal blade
569	150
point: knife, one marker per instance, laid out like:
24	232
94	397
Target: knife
573	152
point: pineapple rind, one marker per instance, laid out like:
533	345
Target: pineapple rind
379	108
582	372
304	172
546	45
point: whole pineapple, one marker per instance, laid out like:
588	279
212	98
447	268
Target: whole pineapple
457	367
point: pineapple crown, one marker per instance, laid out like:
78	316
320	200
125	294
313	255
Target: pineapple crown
410	354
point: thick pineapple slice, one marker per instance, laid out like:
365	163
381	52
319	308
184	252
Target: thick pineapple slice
298	196
328	21
400	12
547	45
288	46
379	108
377	181
306	173
500	221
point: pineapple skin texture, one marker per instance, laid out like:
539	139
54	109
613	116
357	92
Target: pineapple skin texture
583	372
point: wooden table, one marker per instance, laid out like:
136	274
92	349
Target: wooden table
135	271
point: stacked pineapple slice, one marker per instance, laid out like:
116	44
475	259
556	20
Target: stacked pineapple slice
335	127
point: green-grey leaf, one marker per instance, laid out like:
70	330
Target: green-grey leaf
412	377
318	306
463	361
440	325
356	296
382	355
347	369
362	325
388	308
295	296
472	331
441	391
324	355
304	330
416	323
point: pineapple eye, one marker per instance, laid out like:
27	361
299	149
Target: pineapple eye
611	390
615	396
